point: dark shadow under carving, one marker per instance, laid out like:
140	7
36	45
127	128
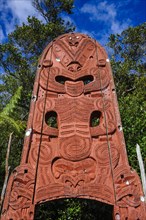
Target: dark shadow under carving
86	79
51	119
75	209
95	118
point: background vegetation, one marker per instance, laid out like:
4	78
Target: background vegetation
18	59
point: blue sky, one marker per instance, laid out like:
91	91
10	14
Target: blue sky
96	18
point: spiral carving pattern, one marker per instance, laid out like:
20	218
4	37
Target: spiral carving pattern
103	153
75	148
73	145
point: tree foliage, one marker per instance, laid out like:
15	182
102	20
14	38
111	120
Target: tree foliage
7	114
51	10
129	69
10	123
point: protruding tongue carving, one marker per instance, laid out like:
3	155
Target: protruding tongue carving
74	88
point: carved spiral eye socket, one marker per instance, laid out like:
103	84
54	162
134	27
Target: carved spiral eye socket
95	118
51	119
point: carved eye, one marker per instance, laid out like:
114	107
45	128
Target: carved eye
62	79
86	79
95	118
51	119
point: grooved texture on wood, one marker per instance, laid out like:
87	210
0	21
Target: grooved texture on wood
74	144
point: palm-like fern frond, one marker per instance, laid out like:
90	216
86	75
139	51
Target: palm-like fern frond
12	103
5	115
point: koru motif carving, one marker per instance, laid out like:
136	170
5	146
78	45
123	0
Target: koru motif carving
73	145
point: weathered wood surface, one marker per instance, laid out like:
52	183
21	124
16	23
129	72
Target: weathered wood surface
74	144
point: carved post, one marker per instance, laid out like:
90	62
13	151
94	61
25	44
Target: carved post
74	144
142	170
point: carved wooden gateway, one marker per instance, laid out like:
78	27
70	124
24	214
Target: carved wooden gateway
74	144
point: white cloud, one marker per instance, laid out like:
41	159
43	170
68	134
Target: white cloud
100	12
117	27
126	2
21	9
106	14
14	12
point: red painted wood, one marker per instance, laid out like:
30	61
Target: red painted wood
74	85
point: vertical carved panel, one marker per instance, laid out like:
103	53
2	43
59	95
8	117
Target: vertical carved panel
74	144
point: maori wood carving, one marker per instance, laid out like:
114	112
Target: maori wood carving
74	144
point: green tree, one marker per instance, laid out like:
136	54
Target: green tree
8	113
10	123
129	68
